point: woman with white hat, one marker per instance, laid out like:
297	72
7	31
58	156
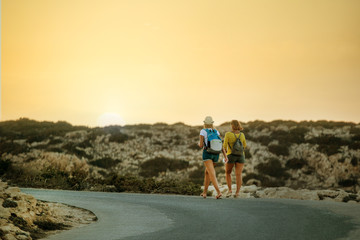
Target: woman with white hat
209	156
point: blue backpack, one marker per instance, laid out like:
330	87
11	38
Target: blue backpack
214	144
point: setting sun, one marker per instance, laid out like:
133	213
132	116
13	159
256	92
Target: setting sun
110	118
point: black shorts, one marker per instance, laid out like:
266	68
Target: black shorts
236	158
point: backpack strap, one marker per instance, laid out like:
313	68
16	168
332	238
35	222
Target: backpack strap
207	132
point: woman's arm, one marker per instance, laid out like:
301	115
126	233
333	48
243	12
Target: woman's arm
224	149
201	141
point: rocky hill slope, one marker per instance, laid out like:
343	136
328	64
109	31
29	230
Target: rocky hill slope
312	155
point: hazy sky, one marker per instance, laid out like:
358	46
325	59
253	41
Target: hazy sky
169	61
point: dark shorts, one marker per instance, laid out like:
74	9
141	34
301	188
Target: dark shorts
208	156
236	159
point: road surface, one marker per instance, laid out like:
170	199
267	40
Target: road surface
145	216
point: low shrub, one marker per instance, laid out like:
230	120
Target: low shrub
348	182
197	176
35	131
73	148
328	149
12	148
119	137
194	133
264	140
265	180
328	144
350	197
105	163
194	146
9	204
355	145
49	178
144	134
4	166
19	222
354	161
272	168
153	167
279	150
247	153
129	183
295	163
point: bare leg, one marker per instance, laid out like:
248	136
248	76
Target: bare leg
206	183
238	173
211	171
228	170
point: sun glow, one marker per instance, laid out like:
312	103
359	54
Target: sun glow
110	118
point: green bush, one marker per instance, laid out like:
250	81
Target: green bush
194	146
247	153
354	161
144	134
129	183
295	163
329	149
19	222
12	148
355	145
105	163
35	131
153	167
279	150
348	182
73	148
55	149
5	165
265	180
350	197
47	178
272	168
197	176
9	204
194	133
119	137
143	126
264	140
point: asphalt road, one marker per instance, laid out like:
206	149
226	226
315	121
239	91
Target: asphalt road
144	216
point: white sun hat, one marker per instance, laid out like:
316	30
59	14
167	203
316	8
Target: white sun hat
208	120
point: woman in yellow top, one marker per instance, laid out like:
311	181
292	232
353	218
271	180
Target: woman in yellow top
234	160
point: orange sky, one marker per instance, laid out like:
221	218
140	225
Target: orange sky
169	61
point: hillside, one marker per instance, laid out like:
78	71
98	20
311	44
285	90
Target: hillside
312	155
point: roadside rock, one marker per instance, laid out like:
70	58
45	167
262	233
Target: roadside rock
23	217
254	191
